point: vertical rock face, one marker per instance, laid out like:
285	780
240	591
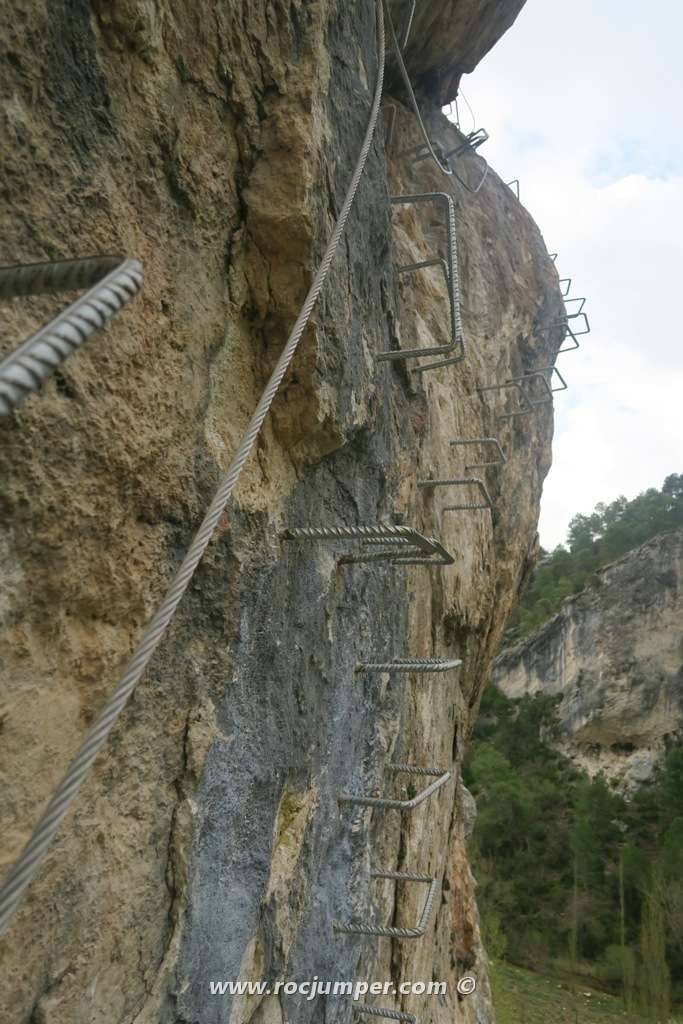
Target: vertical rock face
614	653
215	144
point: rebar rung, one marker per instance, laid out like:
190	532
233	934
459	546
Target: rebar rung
417	665
391	932
373	1011
473	481
112	281
390	803
451	276
481	440
394	1015
403	545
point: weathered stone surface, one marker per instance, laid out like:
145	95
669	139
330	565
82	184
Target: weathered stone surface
615	655
448	39
215	144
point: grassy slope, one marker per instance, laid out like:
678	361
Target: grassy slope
523	997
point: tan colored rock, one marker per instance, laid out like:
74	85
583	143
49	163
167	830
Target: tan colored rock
613	655
215	145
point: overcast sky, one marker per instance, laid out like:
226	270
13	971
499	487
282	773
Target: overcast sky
584	104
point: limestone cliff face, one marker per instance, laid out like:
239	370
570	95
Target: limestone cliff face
215	143
614	653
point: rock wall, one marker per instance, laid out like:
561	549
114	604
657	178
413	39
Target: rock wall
614	653
215	143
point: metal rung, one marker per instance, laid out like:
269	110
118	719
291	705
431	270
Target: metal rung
462	482
551	370
533	375
365	928
376	1011
389	123
482	440
112	281
450	271
421	152
410	665
525	405
403	545
567	281
514	186
388	803
470	143
563	322
575	299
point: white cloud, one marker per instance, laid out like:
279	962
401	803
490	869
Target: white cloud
582	105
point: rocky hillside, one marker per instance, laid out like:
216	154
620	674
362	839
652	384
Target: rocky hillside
614	654
215	143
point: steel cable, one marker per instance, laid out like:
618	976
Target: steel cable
25	867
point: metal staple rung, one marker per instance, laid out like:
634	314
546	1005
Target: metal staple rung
376	1011
515	189
575	298
532	375
450	270
417	665
551	370
112	281
421	550
402	805
482	440
462	482
523	399
567	281
397	933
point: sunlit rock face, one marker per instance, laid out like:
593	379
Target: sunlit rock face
614	654
215	144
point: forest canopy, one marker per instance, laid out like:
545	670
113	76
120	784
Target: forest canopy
594	541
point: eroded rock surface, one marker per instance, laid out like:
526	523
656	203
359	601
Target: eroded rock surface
215	144
614	653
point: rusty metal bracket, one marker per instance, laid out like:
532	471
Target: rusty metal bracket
442	778
450	272
402	544
112	281
483	440
365	928
376	1011
462	482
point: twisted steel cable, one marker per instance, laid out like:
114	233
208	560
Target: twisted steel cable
444	168
25	867
112	281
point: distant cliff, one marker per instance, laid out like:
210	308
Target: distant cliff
615	655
